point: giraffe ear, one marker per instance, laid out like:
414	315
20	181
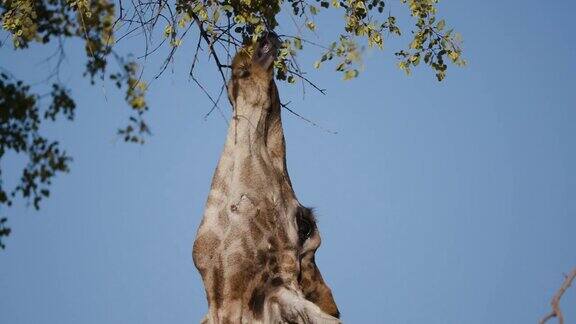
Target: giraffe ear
306	224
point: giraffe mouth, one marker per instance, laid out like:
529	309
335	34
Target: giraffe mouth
267	50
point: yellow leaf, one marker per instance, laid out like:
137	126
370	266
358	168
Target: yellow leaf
168	30
311	25
454	55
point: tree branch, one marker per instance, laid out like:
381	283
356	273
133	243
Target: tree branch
301	76
210	44
285	106
556	312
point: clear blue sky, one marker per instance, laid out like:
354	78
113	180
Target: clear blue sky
448	202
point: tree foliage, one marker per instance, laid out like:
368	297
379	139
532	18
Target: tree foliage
221	27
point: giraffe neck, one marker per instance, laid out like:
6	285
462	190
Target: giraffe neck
257	127
254	154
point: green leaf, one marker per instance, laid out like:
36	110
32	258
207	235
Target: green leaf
313	10
311	25
298	43
350	74
454	56
441	24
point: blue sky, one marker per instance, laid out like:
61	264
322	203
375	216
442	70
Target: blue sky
446	202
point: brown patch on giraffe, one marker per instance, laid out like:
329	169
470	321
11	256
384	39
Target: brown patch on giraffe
283	239
255	232
264	277
272	244
272	260
241	268
288	263
226	320
305	282
235	259
240	280
261	257
247	170
217	284
249	252
312	296
203	249
223	219
272	264
256	303
315	289
276	282
232	236
264	220
326	302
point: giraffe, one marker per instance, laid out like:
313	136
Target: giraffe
256	243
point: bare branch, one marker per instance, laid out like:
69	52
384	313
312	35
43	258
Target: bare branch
171	55
210	44
304	41
556	312
301	76
195	59
214	102
285	106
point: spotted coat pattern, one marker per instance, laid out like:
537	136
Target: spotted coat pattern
255	245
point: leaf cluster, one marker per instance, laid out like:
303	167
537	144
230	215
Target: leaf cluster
431	41
20	131
222	28
23	112
240	22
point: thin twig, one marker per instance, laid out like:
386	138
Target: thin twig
285	106
195	58
304	41
210	44
214	102
301	76
171	55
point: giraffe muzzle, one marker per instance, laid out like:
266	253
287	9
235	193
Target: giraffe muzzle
267	50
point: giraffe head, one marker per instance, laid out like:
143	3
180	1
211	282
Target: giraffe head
252	73
256	244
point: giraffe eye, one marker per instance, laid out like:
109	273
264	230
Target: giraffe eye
305	224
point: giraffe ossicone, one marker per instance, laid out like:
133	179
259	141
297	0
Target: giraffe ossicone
256	243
